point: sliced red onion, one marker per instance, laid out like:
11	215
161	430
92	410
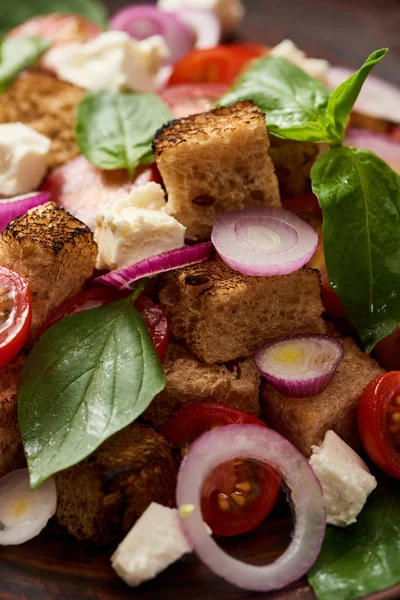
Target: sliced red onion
23	512
384	146
122	279
264	445
142	21
263	240
378	98
205	25
19	205
300	366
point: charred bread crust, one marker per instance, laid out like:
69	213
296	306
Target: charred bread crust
101	498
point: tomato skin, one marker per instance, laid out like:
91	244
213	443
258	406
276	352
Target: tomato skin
13	337
192	98
221	64
377	402
263	481
152	314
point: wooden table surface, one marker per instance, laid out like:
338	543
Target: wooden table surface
54	566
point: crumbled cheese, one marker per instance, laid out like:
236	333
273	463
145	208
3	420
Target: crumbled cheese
345	479
229	12
113	61
154	543
315	67
23	158
135	228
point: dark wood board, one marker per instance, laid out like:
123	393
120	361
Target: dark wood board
54	566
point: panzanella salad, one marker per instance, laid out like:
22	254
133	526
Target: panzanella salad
199	265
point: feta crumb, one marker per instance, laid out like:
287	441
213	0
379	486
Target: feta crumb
345	479
229	12
135	228
315	67
113	61
23	158
155	542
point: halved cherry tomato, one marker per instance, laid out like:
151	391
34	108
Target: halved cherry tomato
58	28
221	64
192	98
379	422
152	314
238	495
387	351
15	314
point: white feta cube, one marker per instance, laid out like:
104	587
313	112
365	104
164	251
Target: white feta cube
345	479
315	67
23	158
155	542
113	61
135	228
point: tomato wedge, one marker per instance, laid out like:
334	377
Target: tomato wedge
379	422
152	314
238	495
192	98
15	314
221	64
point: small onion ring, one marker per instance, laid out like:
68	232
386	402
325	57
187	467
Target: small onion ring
263	240
384	146
205	25
10	208
254	442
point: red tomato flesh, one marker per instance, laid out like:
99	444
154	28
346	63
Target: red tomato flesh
151	313
237	495
221	64
192	98
15	314
379	422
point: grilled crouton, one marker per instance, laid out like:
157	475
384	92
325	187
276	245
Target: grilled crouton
293	162
49	106
54	251
213	162
10	438
304	421
360	121
236	384
101	498
222	315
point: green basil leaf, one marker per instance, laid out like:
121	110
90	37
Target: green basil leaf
15	13
88	377
360	198
17	54
115	131
294	103
364	557
344	97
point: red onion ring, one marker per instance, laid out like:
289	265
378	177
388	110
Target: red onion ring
204	24
122	279
265	445
19	205
378	98
300	366
263	240
142	21
384	146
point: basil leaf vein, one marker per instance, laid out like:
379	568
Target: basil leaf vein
17	54
364	557
360	198
89	376
115	131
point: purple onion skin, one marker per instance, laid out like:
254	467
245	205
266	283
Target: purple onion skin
301	388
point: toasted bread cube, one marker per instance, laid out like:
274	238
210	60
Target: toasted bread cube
222	315
235	384
304	421
10	437
100	498
293	162
49	106
214	162
54	251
